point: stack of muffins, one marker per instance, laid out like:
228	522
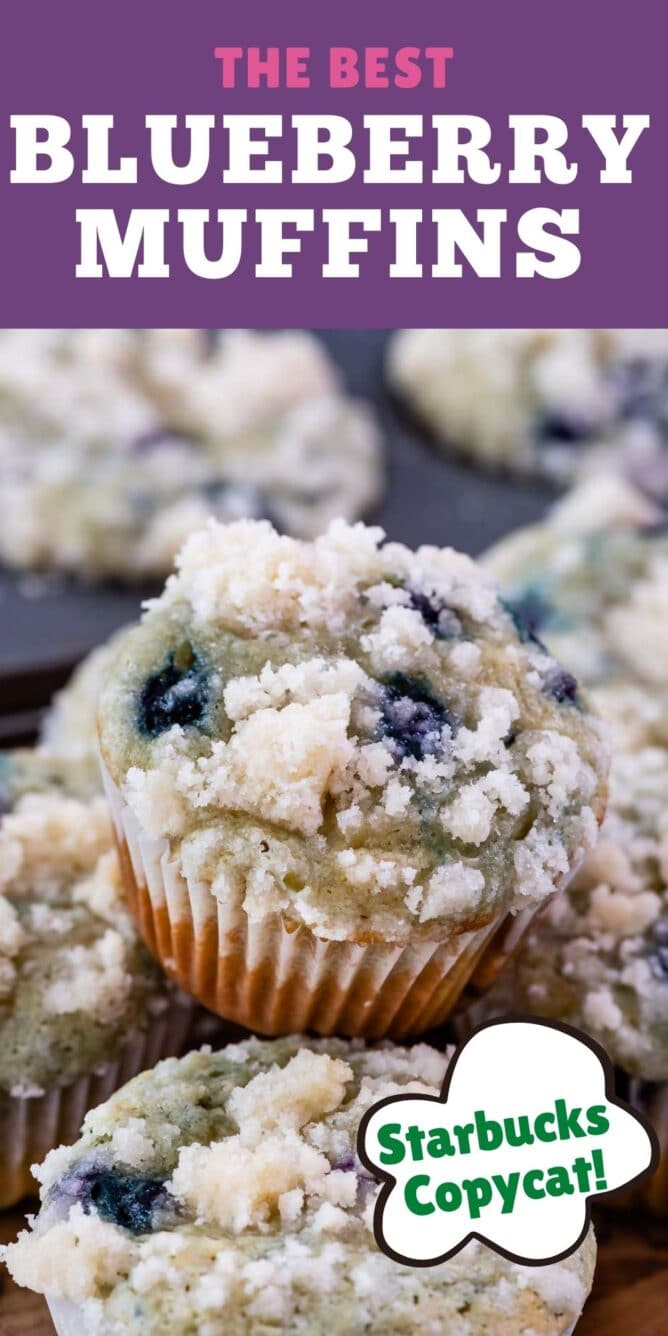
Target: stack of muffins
343	778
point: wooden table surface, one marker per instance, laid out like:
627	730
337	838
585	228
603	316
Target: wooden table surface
630	1296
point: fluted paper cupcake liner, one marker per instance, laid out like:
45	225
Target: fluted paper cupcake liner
31	1126
277	979
67	1318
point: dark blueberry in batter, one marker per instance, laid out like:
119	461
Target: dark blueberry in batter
236	501
660	931
365	1180
128	1200
565	430
440	619
659	963
561	686
148	441
658	958
657	528
413	718
346	1163
642	391
6	803
177	694
530	612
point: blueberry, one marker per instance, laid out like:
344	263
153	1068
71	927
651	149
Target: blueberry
440	619
561	686
656	528
658	958
233	501
346	1164
349	1164
658	961
660	931
641	389
561	428
530	612
148	441
127	1200
412	717
176	694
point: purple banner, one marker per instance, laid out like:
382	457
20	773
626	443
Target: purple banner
555	244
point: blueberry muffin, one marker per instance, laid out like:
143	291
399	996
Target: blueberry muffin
337	769
106	515
222	1193
548	402
271	408
82	1005
592	583
598	957
115	444
73	385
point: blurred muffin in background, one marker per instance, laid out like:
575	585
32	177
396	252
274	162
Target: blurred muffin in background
591	582
115	444
598	957
82	1005
551	403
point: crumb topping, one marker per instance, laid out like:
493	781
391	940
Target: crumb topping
599	956
564	403
117	444
593	581
348	731
261	1212
73	975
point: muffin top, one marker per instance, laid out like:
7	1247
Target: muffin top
363	738
556	402
104	387
222	1193
598	957
74	385
115	444
592	582
74	977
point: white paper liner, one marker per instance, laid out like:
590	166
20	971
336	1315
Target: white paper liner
31	1127
67	1318
277	980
